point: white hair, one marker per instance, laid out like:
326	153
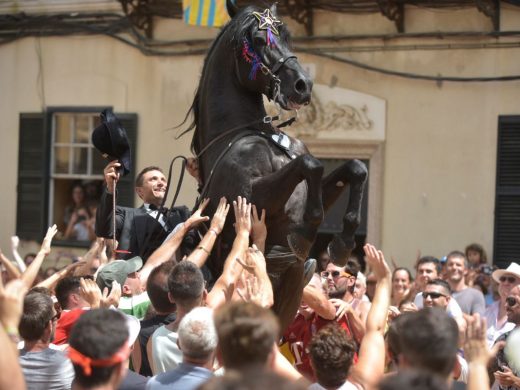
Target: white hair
197	334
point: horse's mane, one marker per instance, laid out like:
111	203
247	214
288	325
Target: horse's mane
240	27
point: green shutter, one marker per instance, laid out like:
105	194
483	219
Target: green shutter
507	196
126	192
33	177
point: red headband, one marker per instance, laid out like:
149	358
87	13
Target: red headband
87	363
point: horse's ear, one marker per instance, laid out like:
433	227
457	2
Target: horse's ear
231	7
273	8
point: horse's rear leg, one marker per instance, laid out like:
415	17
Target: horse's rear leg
353	173
274	190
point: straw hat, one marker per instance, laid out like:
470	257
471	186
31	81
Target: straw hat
513	269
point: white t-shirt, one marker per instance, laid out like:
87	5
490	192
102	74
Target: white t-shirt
165	351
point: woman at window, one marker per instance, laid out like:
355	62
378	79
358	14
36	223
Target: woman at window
81	225
78	201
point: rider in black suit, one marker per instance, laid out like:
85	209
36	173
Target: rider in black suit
137	229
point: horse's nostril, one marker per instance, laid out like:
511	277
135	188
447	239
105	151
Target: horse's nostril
300	86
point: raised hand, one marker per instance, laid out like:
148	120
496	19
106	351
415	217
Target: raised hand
376	261
242	215
46	244
219	218
113	298
475	344
11	303
196	218
341	306
258	227
111	173
90	292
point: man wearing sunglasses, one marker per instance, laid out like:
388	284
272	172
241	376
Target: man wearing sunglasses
506	377
437	293
496	313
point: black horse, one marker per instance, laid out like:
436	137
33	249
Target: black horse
240	152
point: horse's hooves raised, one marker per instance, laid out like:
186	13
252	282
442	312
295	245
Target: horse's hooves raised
299	245
308	270
339	250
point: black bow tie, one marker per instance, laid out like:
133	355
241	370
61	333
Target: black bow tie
162	210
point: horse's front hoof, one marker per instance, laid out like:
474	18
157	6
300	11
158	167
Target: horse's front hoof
299	245
339	250
308	270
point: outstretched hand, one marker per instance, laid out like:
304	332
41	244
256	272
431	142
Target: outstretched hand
219	218
258	227
476	349
196	218
376	261
11	303
46	244
242	215
90	292
111	173
113	298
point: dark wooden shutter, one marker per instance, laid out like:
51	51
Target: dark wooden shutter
126	192
33	177
507	195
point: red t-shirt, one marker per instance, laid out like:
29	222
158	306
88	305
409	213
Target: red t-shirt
65	324
299	334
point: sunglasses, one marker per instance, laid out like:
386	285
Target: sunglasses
511	301
335	274
56	316
510	279
433	295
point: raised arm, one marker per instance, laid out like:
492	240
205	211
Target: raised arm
103	225
371	363
258	287
201	254
11	309
12	270
32	270
314	297
168	248
258	229
51	282
15	241
225	284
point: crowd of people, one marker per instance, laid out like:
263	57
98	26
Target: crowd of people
137	312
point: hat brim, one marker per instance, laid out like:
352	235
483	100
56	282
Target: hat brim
497	274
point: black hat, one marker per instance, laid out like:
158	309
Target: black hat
111	140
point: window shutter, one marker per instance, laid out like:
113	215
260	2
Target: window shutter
33	177
125	187
507	192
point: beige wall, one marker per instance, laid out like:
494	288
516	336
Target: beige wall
438	166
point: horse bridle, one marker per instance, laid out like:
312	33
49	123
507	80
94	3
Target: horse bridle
274	82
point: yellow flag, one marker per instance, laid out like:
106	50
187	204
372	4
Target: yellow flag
210	13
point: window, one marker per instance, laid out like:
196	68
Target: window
76	175
507	191
60	173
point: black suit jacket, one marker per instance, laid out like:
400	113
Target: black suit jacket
136	231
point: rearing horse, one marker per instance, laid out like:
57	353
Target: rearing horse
240	152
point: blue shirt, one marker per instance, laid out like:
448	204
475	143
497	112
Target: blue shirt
185	376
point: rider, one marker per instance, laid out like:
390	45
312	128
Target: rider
139	231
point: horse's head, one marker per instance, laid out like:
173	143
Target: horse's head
264	61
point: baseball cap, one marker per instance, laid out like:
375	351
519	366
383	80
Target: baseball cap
118	270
